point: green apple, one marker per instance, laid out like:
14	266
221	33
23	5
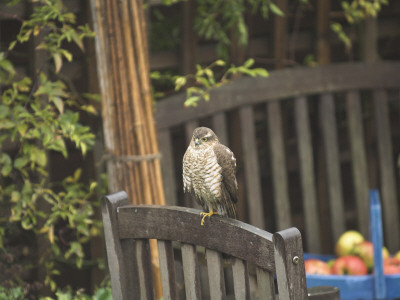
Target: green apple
347	241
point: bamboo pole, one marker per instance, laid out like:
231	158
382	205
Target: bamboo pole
130	132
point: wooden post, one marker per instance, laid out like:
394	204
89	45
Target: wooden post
281	35
323	31
133	159
323	57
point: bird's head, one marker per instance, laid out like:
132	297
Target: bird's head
203	137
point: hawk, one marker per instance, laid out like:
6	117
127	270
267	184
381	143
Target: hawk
209	174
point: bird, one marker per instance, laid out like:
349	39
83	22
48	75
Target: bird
209	174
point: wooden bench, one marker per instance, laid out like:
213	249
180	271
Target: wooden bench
178	232
309	142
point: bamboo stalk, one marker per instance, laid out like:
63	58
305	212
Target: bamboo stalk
127	90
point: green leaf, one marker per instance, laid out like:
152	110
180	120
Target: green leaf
59	103
21	162
57	61
276	10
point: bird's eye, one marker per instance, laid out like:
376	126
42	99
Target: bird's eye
204	139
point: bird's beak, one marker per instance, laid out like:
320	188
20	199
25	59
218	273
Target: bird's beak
196	142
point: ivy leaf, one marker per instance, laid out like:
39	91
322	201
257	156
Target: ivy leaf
57	61
59	103
276	10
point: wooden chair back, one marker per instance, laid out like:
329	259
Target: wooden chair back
231	247
309	143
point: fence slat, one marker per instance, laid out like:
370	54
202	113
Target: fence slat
167	269
251	169
191	272
265	284
329	133
219	127
241	284
278	162
307	175
358	159
386	163
215	274
167	167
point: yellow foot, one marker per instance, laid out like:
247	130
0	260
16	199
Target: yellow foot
209	214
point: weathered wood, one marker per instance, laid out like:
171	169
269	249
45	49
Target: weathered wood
182	224
216	278
131	275
386	171
167	269
116	264
331	149
265	284
241	284
323	32
370	40
307	174
289	261
278	162
167	167
191	272
280	84
220	128
131	228
281	35
358	159
189	128
252	174
144	269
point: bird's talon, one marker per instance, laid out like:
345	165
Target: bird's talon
205	215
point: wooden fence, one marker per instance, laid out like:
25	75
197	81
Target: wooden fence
309	142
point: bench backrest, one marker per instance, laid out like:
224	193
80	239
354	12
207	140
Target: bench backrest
231	247
310	143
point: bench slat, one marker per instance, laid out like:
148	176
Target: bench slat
251	167
144	269
386	166
278	162
191	272
329	135
358	158
265	284
241	284
167	269
215	275
307	174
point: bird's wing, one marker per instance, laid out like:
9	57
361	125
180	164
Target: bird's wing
227	161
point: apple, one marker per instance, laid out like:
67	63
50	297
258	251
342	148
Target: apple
316	266
349	265
365	250
391	265
397	255
347	241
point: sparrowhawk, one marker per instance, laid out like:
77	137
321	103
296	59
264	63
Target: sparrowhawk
209	170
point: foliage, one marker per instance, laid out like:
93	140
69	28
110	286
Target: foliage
103	293
355	12
18	293
38	116
205	79
220	20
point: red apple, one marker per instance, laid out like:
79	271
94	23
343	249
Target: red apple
391	265
349	265
347	241
316	266
365	250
